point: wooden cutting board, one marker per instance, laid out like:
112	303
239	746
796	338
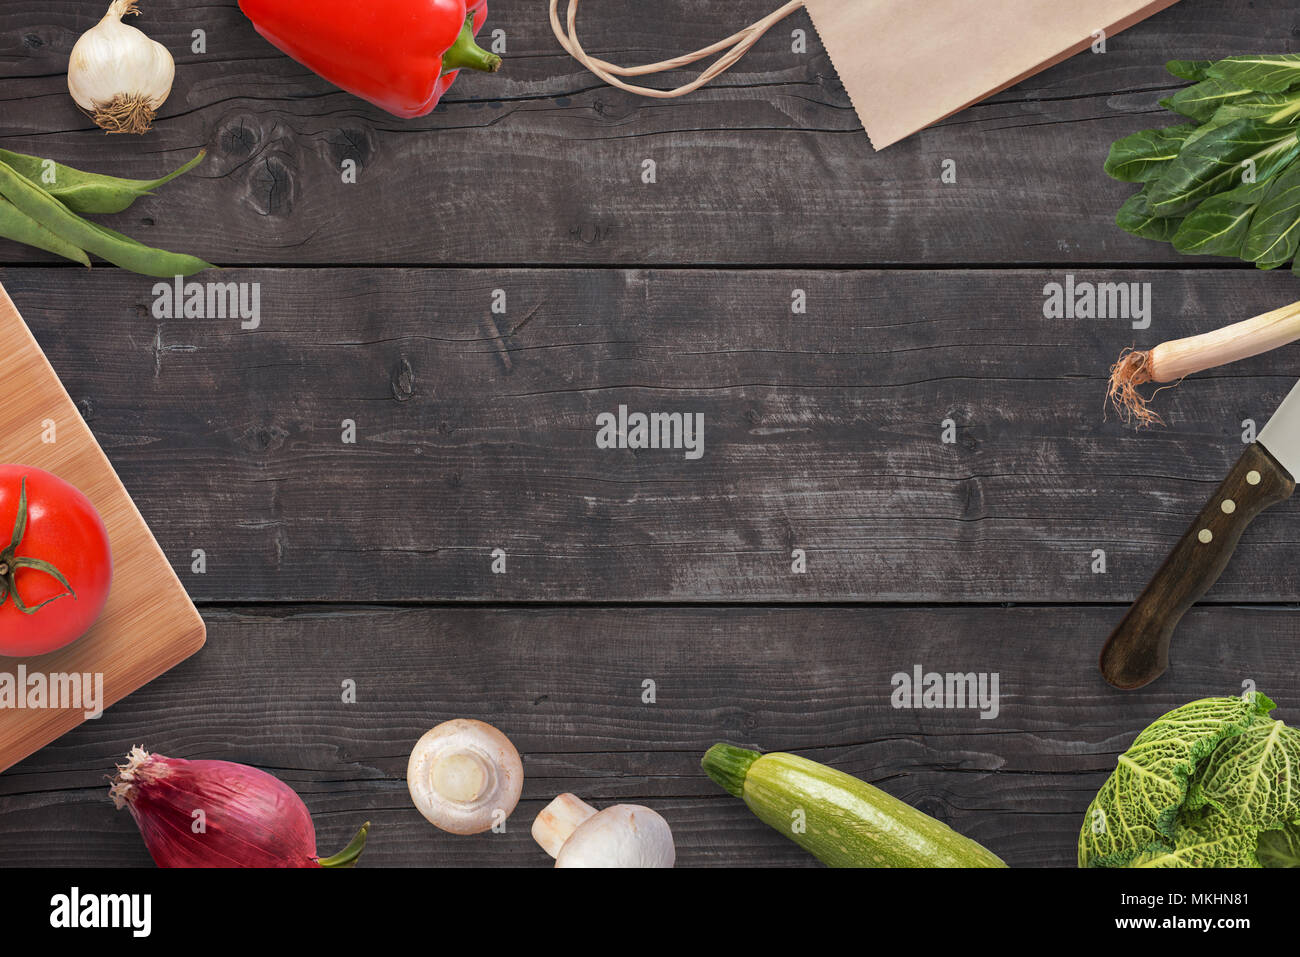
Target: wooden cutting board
149	624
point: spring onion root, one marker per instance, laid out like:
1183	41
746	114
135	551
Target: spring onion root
1171	362
1132	370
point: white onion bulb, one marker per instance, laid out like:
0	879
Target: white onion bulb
118	75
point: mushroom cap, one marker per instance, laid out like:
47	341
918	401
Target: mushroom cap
624	835
464	775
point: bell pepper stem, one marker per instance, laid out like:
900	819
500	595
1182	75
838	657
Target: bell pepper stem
349	855
466	54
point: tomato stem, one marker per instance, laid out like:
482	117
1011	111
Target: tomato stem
11	562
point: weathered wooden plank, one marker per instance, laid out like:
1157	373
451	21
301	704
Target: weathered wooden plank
823	432
566	684
542	164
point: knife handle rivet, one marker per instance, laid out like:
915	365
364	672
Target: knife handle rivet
1228	506
1205	536
1253	477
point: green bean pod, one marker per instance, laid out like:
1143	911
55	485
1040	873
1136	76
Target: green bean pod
58	219
88	193
21	228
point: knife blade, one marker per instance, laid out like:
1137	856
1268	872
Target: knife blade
1137	651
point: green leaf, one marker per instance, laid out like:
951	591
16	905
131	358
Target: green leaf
1267	74
1200	101
1135	815
1213	846
1136	217
1280	848
1249	779
1193	70
1274	108
1217	227
1274	236
1217	161
1249	192
1141	157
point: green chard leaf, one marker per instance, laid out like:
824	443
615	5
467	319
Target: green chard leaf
1274	73
1142	156
1271	108
1218	226
1192	70
1275	108
1136	217
1224	184
1217	162
1199	102
1138	816
1274	236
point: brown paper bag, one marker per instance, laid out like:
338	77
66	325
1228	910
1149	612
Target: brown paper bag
907	64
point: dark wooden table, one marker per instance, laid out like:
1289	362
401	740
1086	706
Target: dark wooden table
475	430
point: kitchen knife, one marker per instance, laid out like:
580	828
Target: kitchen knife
1137	651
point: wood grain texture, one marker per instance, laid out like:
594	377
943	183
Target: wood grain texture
566	685
149	624
542	163
823	432
476	430
1137	651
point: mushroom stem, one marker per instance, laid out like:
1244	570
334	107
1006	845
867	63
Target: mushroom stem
559	820
465	776
461	776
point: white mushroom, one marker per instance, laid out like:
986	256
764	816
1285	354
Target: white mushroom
625	835
465	776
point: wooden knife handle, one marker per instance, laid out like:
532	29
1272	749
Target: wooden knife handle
1137	651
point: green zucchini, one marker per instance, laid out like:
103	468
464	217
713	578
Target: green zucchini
840	820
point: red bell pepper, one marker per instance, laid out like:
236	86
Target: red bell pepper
401	55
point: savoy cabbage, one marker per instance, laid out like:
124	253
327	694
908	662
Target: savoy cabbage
1210	784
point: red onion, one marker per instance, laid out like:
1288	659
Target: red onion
220	814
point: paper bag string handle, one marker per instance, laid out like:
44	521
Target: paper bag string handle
736	46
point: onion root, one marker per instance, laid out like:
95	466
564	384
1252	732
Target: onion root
1132	370
1171	362
126	113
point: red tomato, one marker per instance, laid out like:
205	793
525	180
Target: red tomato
63	531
